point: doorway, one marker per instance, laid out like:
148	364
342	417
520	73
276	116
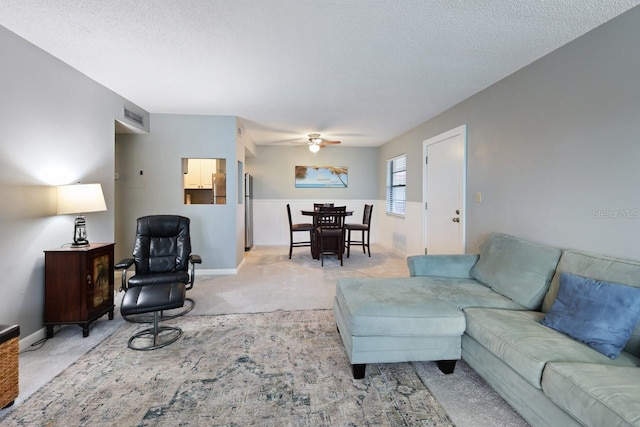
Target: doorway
444	195
125	160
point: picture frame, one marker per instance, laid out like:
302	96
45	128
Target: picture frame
321	176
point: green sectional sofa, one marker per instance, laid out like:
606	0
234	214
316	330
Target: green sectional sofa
522	315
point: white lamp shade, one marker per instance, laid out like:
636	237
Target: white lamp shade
314	148
80	198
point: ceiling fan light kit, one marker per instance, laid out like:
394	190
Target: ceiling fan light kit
316	143
314	138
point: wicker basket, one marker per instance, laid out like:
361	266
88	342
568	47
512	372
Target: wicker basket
9	349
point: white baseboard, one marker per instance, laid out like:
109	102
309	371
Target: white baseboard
216	272
28	341
219	271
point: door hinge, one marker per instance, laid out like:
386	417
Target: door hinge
426	160
425	205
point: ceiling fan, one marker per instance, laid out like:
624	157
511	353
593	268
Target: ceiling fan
316	143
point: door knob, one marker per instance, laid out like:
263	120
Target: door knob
455	219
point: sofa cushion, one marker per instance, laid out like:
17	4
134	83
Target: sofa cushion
416	306
516	268
455	266
595	395
600	314
597	267
521	342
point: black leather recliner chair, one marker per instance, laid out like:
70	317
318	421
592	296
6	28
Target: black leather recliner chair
161	254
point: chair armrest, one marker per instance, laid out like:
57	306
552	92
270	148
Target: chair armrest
193	259
455	266
124	264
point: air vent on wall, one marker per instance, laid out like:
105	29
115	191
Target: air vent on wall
133	116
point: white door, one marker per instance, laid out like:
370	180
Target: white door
445	172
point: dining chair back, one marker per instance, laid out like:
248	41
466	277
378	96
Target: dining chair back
317	206
365	228
298	227
330	229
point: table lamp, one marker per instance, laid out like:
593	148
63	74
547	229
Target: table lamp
79	199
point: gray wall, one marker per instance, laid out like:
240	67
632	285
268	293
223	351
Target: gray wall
273	170
57	128
553	148
214	228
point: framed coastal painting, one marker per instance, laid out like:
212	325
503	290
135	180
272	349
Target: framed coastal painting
321	176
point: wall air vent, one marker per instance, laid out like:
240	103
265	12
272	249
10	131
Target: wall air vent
133	116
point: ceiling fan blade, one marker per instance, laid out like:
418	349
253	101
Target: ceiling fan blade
329	142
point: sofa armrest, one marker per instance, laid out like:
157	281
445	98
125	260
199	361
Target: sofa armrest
455	266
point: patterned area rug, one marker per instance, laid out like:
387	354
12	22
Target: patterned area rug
267	369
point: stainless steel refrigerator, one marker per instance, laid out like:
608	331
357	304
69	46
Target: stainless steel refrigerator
248	211
219	188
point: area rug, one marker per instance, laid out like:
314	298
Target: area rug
268	369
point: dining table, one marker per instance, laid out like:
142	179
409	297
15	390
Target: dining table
329	242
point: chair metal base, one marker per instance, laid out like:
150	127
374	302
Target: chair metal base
190	304
160	336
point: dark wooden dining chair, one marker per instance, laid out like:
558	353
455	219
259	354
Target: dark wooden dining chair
304	227
365	228
330	231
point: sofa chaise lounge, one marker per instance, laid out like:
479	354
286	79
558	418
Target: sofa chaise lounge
489	310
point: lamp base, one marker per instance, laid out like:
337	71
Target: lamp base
80	233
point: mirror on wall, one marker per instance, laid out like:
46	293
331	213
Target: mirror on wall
204	181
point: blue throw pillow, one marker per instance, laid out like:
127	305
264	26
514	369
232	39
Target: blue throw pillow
597	313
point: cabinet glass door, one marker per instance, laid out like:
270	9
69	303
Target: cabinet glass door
99	281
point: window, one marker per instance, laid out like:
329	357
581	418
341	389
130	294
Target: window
205	181
397	185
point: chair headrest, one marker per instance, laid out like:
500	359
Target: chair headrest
163	225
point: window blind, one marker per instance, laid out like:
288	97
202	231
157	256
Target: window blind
397	185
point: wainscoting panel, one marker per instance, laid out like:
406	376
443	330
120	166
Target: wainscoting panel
402	236
271	227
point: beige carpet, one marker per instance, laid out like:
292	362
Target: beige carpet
268	280
265	369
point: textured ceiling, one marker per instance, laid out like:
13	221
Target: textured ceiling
362	71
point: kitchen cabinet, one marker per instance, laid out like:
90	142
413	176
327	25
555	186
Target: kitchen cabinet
199	174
